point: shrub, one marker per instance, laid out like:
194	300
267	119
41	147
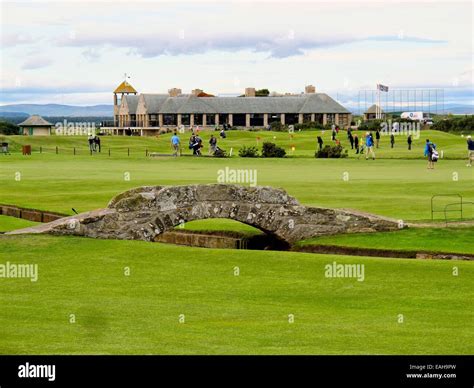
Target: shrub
332	152
271	150
277	126
248	152
7	128
371	125
455	124
309	125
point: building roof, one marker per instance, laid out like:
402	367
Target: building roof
125	87
373	109
132	102
184	104
35	121
154	101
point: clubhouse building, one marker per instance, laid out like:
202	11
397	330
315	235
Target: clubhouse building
147	114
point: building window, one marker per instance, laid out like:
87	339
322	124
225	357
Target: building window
210	119
343	119
186	119
256	120
170	119
291	118
197	119
331	118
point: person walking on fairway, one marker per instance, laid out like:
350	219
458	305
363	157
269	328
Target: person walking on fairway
431	153
175	144
320	142
377	138
470	151
212	145
369	146
356	143
91	143
198	145
392	140
351	138
97	143
409	141
333	134
192	143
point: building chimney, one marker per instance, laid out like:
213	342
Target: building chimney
174	92
196	91
249	92
309	89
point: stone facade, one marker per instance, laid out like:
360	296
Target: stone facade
146	212
148	113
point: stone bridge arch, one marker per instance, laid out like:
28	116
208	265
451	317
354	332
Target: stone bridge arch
145	212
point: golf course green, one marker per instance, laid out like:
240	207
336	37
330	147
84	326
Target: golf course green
132	297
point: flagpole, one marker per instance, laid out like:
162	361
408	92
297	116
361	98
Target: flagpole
379	108
377	102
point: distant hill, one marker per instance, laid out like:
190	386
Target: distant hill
57	110
14	114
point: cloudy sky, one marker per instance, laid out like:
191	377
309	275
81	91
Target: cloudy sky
76	52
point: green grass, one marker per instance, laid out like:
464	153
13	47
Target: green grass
451	240
396	188
214	224
226	314
12	223
452	145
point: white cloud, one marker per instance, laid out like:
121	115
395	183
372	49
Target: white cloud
279	45
36	62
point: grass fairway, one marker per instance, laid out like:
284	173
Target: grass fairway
226	314
396	188
453	146
452	240
12	223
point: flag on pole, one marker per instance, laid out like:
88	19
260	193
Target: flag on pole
382	88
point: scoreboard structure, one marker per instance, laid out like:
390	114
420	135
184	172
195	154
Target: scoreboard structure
396	101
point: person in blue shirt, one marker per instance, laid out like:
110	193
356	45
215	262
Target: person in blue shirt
369	146
429	149
175	143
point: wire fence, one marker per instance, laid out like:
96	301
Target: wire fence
81	151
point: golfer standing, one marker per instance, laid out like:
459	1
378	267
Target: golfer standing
175	143
470	151
369	146
430	152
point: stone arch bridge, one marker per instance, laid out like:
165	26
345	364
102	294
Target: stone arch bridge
145	212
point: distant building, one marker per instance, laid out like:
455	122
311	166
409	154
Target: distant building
147	113
371	113
35	125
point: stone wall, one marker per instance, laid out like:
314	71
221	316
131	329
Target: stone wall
29	214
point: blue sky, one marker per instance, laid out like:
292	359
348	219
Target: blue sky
75	52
